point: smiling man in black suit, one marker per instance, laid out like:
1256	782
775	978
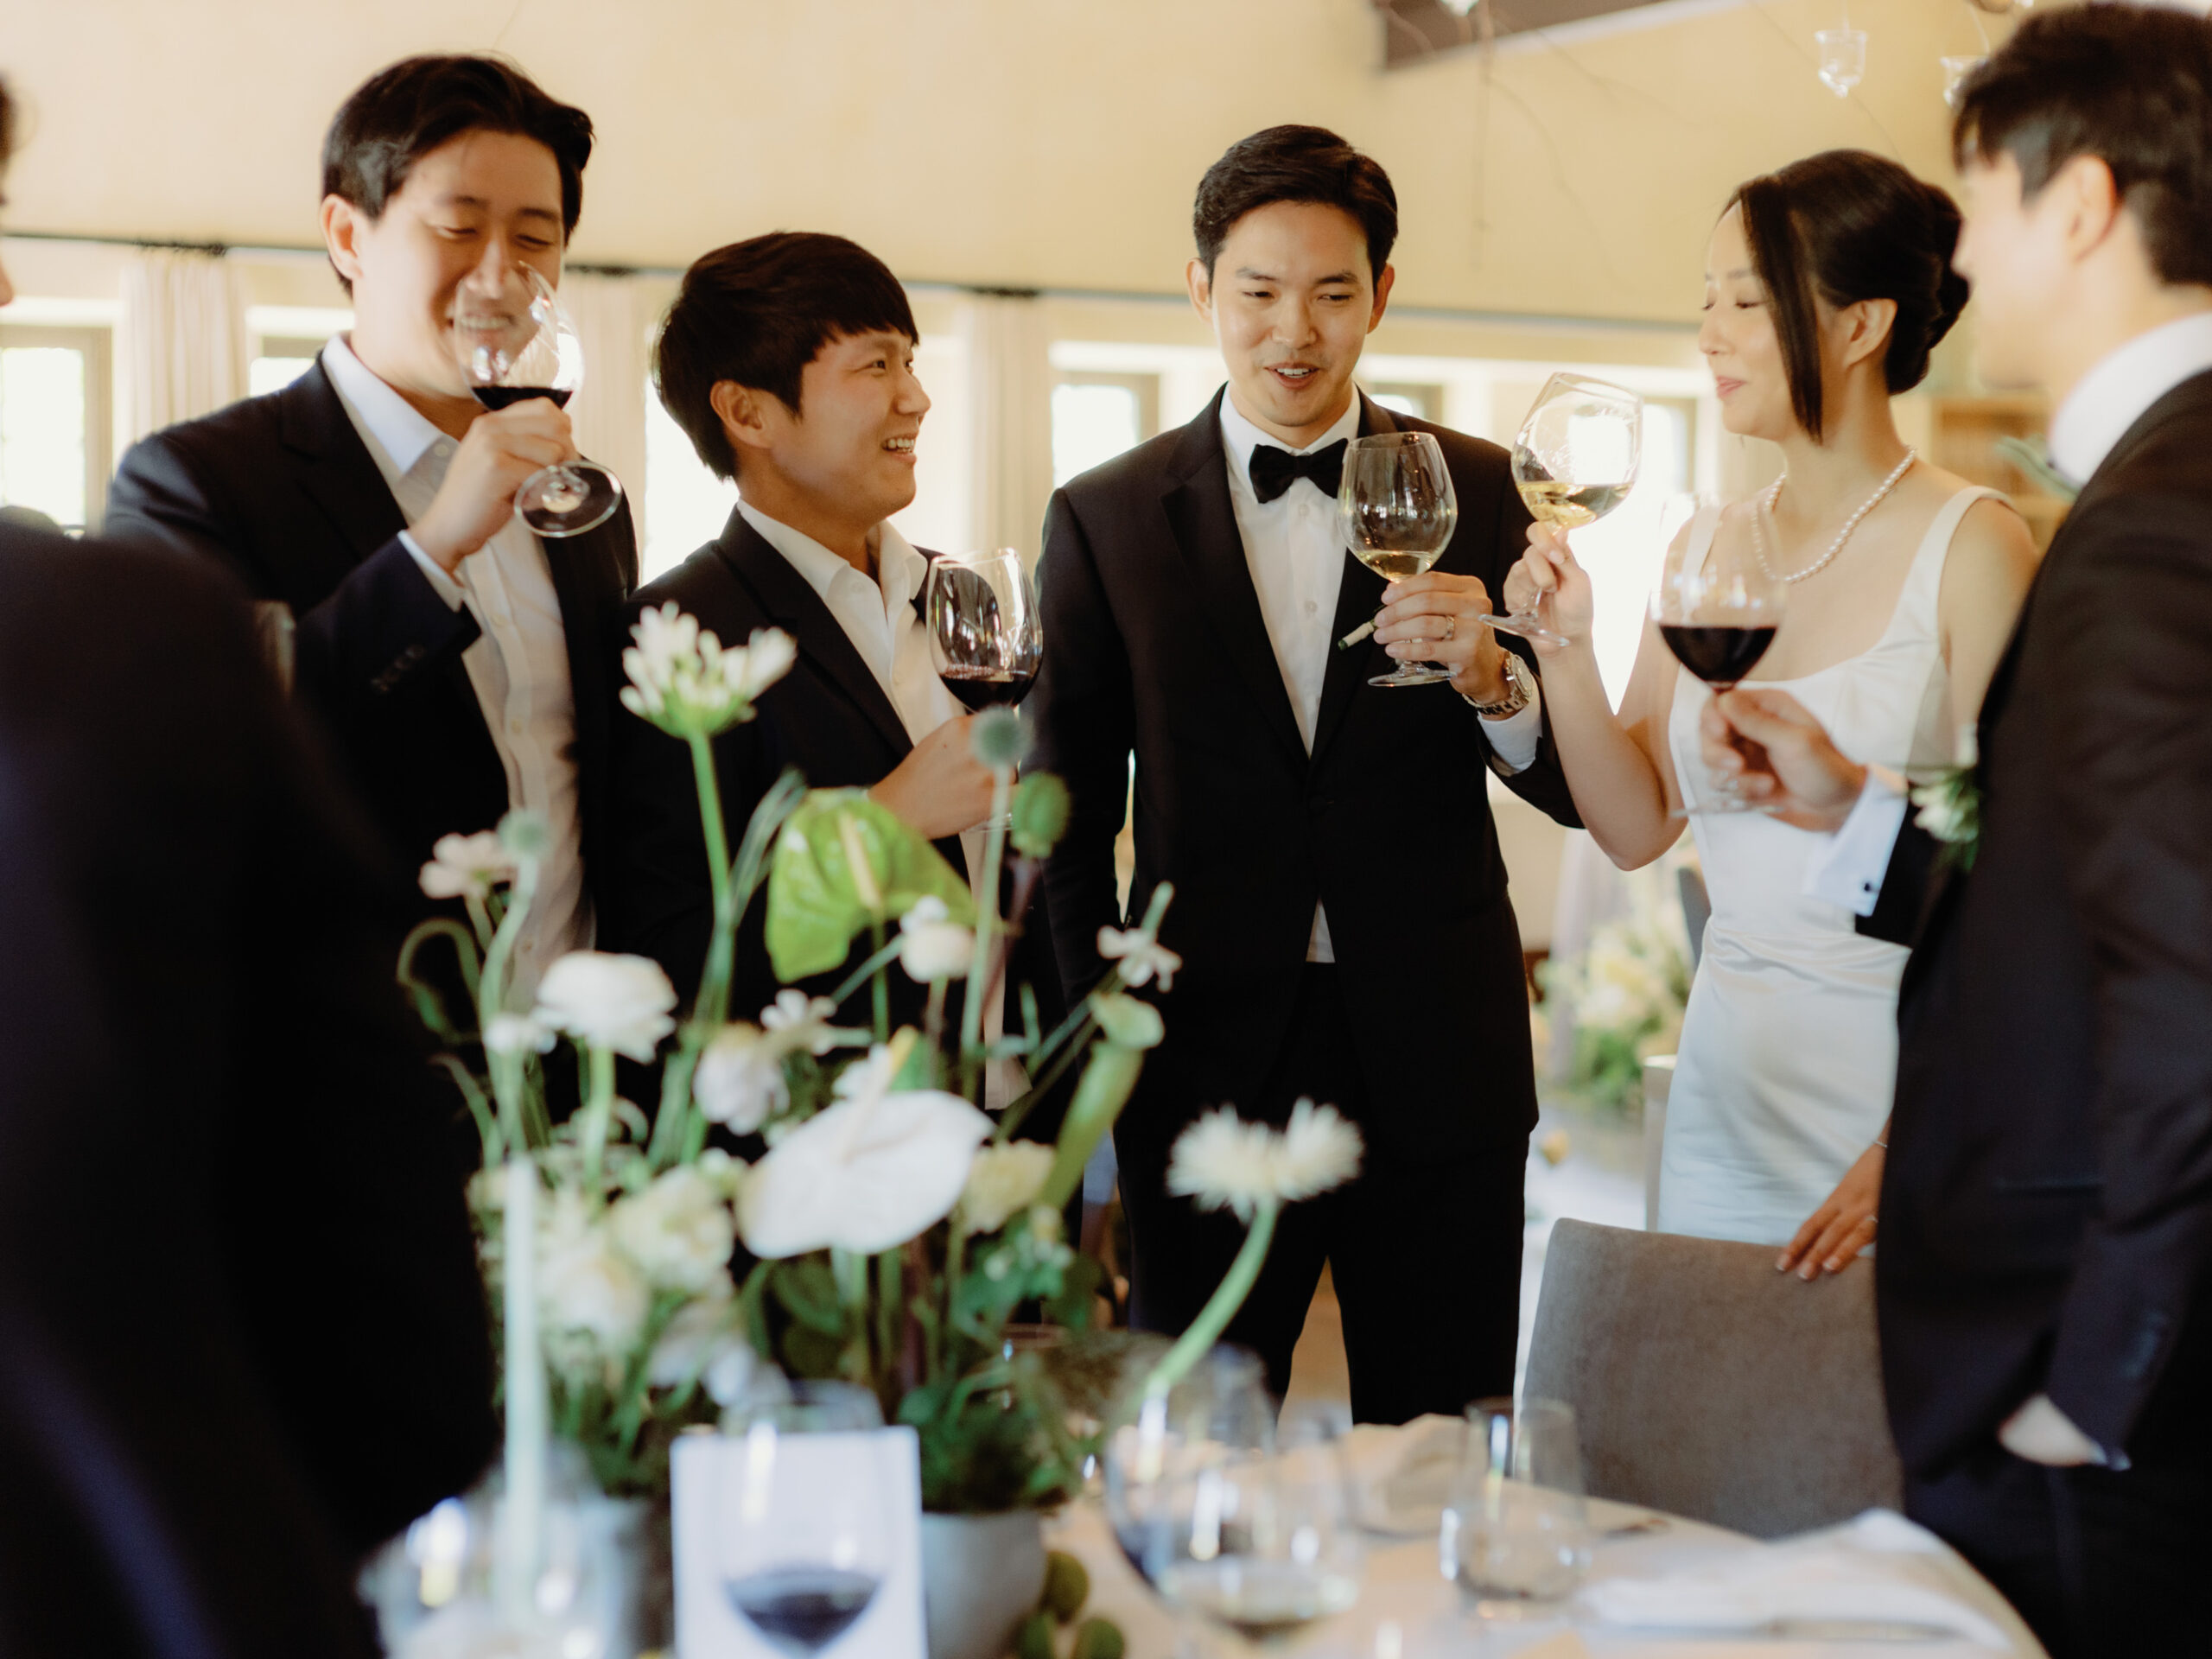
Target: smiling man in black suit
460	665
1340	899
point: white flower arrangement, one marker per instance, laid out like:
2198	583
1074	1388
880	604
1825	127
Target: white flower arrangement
932	946
1003	1182
685	681
623	1003
1141	955
465	866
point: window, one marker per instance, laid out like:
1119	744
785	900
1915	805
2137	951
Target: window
686	504
1096	416
1402	398
278	360
55	430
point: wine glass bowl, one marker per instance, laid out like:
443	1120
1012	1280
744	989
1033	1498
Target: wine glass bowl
1717	607
1574	460
986	639
1396	510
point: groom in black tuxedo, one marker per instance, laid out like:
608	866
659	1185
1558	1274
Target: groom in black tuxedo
459	664
1340	900
2044	1264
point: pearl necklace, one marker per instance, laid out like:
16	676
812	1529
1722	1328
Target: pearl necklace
1773	494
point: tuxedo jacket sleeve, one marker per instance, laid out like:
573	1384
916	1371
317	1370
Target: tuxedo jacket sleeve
1898	907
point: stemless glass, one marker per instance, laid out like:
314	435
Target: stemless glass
1515	1536
1574	460
1396	510
801	1558
514	342
986	637
1717	607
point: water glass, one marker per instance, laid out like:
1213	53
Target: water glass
1515	1536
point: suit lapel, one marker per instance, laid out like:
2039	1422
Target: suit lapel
1359	594
1204	521
791	601
337	471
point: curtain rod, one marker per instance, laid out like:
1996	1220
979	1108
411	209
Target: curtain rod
1549	323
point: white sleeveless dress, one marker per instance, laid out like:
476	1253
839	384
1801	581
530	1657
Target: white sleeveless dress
1788	1059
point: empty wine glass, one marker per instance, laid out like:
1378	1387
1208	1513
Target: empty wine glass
1396	511
1717	606
1515	1536
514	342
1574	460
986	637
1843	59
802	1545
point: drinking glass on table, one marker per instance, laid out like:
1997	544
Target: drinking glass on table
1574	460
799	1558
1396	511
1515	1536
1717	606
514	342
987	639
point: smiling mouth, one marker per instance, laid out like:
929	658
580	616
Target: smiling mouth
1723	386
1294	374
900	446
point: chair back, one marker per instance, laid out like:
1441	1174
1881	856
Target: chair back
1706	1384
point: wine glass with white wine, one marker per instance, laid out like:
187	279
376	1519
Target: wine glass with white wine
1396	510
1574	460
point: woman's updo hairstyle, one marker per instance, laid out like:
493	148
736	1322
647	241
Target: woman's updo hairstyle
1849	225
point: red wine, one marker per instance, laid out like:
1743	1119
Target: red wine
1719	656
508	397
978	688
802	1609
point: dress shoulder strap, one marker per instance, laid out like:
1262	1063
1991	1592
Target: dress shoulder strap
1924	582
1703	529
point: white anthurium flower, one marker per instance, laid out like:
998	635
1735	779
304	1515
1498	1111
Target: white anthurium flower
740	1082
609	1002
1143	958
683	680
467	865
798	1021
679	1231
518	1033
586	1286
1225	1163
865	1174
1003	1182
931	945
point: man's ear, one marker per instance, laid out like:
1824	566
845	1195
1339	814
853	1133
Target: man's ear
1201	283
2086	192
739	409
342	225
1383	286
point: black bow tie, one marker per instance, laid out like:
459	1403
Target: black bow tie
1273	469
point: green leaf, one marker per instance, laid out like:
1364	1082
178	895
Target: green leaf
815	904
1040	814
804	1288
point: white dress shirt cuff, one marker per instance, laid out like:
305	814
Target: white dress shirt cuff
1515	740
440	584
1848	871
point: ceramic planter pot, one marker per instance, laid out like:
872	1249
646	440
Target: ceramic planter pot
981	1575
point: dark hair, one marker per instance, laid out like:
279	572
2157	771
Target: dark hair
401	114
7	125
757	312
2131	85
1847	226
1295	164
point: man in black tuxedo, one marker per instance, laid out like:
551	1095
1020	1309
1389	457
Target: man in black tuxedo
1340	900
2046	1211
242	1337
459	664
788	359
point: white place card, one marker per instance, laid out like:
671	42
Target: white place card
815	1471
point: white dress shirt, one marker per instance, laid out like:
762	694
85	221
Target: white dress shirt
1296	559
519	664
2111	397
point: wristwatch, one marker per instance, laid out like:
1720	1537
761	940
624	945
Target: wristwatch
1520	692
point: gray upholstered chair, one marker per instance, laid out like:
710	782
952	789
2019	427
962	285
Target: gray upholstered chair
1706	1384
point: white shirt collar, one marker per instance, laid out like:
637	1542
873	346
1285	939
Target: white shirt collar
900	567
2112	396
383	417
1239	437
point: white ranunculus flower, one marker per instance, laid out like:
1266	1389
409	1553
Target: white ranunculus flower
798	1021
932	946
586	1288
679	1231
1003	1182
1227	1164
518	1033
464	865
740	1080
618	1002
865	1174
701	1333
1142	958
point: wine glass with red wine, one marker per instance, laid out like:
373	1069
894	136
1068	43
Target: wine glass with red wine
514	342
1717	606
986	637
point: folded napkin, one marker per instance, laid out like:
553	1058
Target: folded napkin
1402	1477
1879	1568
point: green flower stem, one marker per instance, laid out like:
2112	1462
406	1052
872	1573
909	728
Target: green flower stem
1107	1083
598	1106
507	1070
1012	1118
881	954
986	925
1221	1308
878	959
890	1275
713	1005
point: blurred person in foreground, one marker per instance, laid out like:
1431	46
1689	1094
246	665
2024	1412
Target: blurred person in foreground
242	1338
2046	1211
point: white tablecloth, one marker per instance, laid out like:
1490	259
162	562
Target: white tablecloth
1409	1611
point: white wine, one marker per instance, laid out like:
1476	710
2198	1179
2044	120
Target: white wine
1562	502
1393	564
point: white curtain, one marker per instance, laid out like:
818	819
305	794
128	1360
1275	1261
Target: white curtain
184	339
611	319
1010	392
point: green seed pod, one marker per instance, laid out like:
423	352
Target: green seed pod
1067	1586
1040	814
997	738
1034	1639
1098	1639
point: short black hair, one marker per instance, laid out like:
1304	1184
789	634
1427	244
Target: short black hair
2131	85
757	312
7	125
1848	226
401	114
1295	164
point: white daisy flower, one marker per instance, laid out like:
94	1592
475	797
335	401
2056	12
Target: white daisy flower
467	865
1225	1163
1141	957
798	1021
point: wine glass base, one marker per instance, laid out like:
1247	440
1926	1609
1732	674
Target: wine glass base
1524	625
1715	809
567	500
1412	674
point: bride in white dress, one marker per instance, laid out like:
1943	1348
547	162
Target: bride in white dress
1826	285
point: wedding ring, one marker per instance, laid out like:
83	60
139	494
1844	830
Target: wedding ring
1451	629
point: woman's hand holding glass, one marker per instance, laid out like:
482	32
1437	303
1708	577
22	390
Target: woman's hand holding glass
1546	584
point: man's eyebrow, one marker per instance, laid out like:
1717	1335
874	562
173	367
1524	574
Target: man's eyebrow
479	204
